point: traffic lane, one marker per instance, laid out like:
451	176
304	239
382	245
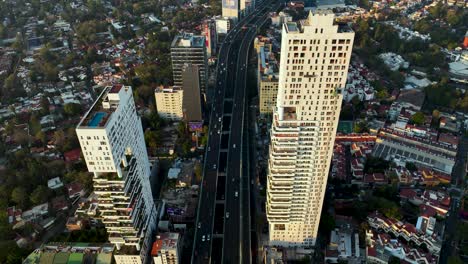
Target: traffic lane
206	215
232	246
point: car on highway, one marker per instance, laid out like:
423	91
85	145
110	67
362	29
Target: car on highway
219	119
214	166
227	215
199	225
209	148
236	194
203	238
234	145
208	237
219	131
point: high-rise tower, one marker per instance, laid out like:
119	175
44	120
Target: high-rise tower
113	145
189	48
315	54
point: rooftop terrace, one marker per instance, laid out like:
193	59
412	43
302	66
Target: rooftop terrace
188	40
102	109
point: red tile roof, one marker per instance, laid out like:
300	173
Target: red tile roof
72	155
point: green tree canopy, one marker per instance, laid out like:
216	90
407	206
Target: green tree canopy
418	118
20	197
72	109
39	195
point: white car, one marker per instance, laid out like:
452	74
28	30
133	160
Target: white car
203	238
219	119
214	166
199	225
219	131
227	216
208	237
234	145
236	194
209	148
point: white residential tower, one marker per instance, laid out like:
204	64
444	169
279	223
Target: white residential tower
315	54
113	145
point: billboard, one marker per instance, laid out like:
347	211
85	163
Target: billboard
195	126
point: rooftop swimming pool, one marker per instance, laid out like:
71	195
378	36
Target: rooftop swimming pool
97	118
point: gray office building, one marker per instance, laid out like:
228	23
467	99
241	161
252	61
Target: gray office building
189	48
192	106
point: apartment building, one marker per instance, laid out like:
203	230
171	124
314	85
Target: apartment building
113	146
189	48
166	249
315	55
169	102
267	75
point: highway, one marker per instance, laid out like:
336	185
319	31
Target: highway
222	229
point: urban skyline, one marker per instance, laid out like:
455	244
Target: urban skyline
234	131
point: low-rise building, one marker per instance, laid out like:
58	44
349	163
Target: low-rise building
417	145
380	247
343	246
54	183
167	248
405	231
394	61
55	252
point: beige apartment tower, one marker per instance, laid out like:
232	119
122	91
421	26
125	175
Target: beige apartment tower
315	54
169	102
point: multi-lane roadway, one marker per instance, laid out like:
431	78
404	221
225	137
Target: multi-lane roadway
223	219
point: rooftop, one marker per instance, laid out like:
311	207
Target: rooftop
165	241
71	253
102	109
188	40
172	89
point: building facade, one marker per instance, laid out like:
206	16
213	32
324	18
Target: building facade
166	249
113	146
189	48
267	75
169	102
192	102
315	55
211	37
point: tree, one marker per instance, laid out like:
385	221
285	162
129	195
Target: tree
20	197
145	92
375	165
45	105
153	139
21	137
41	136
382	94
72	109
394	260
418	118
361	127
59	138
411	166
454	260
198	172
34	125
50	71
39	195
